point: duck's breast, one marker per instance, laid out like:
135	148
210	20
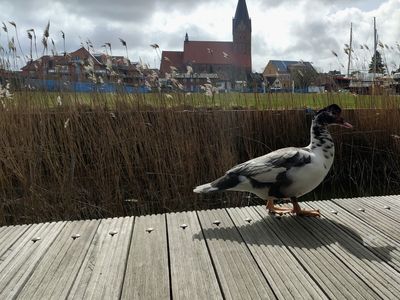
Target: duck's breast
306	178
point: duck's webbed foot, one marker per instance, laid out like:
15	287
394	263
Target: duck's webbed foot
272	209
304	212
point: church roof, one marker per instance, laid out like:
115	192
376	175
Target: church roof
208	52
204	53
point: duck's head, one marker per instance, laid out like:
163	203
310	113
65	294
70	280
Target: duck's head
330	115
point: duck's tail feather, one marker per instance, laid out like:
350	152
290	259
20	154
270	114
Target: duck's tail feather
228	181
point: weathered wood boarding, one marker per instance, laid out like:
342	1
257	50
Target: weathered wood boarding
352	252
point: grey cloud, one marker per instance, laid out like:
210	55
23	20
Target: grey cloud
130	17
364	4
132	11
312	37
122	11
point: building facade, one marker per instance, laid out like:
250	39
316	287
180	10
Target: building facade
286	75
82	66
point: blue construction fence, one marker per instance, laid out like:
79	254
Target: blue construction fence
83	87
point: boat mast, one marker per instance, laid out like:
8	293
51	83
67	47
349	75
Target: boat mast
350	49
375	44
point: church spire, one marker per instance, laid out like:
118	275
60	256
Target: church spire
241	11
241	31
241	17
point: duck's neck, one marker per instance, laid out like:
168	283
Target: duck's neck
321	140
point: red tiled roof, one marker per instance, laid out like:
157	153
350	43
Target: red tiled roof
82	52
57	59
208	52
171	58
203	52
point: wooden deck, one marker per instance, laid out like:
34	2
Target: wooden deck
352	252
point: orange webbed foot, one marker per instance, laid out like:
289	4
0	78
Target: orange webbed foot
272	209
314	213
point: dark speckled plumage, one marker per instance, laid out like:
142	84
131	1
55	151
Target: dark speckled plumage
257	170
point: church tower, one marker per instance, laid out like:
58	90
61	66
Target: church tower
241	31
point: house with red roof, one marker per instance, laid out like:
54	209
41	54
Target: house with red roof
226	64
72	67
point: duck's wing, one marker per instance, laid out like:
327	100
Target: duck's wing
265	169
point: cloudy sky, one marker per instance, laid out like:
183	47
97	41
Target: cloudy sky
287	29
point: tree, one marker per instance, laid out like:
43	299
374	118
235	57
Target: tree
380	68
302	74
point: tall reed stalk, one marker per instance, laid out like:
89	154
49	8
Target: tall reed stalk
65	159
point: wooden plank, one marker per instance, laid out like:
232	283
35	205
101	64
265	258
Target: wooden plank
378	275
54	277
392	201
285	274
15	244
240	276
334	277
25	256
351	254
8	236
192	272
377	204
40	276
147	272
101	274
387	249
370	216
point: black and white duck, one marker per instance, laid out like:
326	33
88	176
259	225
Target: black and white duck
286	173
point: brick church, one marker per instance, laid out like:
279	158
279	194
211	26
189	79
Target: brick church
226	64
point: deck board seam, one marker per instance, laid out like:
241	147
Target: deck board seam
55	239
295	257
211	258
381	213
360	242
344	262
364	222
386	214
69	245
83	259
127	257
350	212
39	260
168	257
16	240
251	253
83	227
367	267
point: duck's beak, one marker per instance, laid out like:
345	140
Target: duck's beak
347	125
342	123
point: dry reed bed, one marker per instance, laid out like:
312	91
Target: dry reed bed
80	162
